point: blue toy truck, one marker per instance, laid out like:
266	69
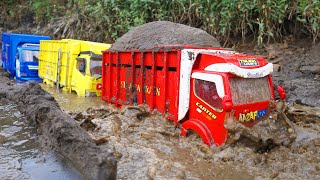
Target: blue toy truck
20	53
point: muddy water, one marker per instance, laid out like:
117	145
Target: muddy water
20	156
70	101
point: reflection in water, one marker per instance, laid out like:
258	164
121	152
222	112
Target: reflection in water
20	157
71	101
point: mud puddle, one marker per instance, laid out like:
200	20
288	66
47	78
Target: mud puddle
71	101
20	155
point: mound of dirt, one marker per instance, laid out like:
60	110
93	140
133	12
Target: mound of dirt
150	35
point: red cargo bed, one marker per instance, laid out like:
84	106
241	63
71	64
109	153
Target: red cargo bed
135	77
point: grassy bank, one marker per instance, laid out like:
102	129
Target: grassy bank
106	20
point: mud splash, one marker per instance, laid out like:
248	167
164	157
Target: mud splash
148	145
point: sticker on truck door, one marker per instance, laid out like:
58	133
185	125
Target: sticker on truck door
207	113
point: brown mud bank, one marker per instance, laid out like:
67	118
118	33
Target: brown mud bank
57	130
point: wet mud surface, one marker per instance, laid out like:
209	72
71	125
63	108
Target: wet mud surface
147	145
299	73
157	33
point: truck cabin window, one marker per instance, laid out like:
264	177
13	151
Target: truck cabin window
207	91
30	56
81	65
248	90
96	67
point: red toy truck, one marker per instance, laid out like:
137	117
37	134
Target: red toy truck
197	87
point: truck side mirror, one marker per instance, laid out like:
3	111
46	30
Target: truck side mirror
227	103
281	92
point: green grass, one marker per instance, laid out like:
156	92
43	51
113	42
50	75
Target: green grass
261	20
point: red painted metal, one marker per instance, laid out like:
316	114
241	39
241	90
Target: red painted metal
142	79
281	92
215	126
152	77
200	128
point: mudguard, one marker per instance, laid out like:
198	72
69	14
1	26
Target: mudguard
200	128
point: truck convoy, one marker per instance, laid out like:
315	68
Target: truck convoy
73	65
201	88
20	53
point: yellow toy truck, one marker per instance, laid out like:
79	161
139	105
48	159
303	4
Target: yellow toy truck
72	65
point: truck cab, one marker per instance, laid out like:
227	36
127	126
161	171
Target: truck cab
227	86
20	53
87	74
27	58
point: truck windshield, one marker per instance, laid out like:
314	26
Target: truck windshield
248	90
30	56
95	67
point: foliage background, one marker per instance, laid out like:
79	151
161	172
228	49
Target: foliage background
106	20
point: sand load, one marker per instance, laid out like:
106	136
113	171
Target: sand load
157	33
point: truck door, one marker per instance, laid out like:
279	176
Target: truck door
87	74
206	115
206	101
